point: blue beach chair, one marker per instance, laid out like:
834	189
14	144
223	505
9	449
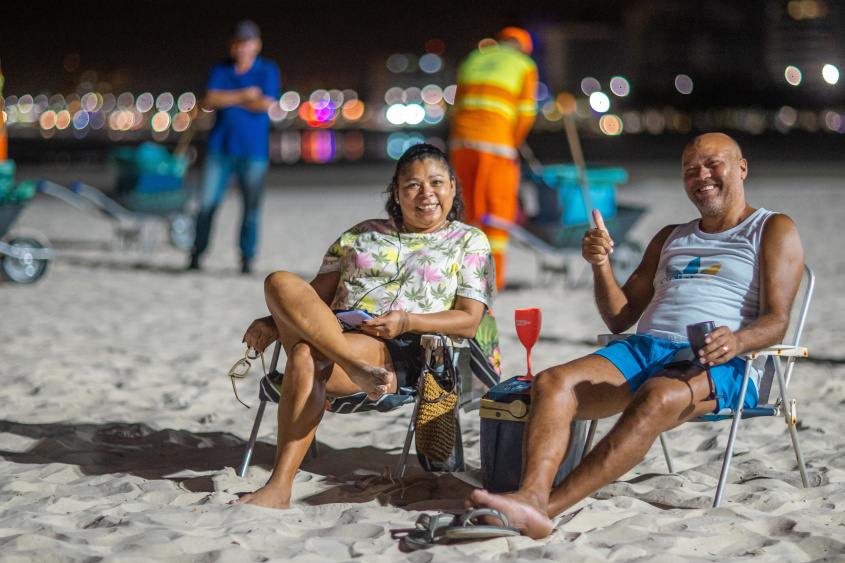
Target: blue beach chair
471	359
779	367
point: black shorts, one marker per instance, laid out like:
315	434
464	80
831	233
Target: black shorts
405	351
407	354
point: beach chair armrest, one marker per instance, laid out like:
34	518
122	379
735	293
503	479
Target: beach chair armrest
433	340
605	339
784	350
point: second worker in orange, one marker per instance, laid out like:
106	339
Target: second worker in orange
495	109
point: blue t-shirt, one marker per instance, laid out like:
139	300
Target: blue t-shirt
238	131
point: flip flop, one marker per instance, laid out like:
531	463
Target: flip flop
465	530
428	532
444	529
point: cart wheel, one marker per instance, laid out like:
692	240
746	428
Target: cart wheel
625	259
182	232
24	268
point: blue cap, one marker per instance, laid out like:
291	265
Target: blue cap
246	30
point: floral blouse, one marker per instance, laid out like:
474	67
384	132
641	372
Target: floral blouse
382	269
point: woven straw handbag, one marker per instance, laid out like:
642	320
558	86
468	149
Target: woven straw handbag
436	421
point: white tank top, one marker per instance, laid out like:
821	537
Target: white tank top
706	277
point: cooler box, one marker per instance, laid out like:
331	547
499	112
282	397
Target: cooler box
504	410
149	179
7	178
148	169
11	191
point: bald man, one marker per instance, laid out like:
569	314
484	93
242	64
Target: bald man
737	266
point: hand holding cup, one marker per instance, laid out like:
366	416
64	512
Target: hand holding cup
712	346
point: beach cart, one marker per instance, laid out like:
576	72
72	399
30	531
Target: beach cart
149	196
560	209
23	259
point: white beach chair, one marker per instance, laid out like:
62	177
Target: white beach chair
781	361
474	376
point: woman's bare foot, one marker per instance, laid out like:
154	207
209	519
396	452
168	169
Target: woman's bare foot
374	381
523	512
266	496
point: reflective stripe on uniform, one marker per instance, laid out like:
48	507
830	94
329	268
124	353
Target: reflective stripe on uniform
505	151
489	104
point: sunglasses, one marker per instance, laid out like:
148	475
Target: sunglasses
241	368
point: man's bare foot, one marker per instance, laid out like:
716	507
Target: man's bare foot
523	512
267	497
374	381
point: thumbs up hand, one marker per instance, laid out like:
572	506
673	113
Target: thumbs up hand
597	245
599	220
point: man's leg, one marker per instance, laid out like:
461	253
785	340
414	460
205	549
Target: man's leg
215	177
587	388
498	184
666	400
251	176
465	163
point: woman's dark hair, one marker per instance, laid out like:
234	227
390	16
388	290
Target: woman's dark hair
416	153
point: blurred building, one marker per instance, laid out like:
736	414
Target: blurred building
640	68
807	35
734	53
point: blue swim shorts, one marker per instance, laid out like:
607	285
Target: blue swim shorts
639	357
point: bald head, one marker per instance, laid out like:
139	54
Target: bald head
714	140
714	171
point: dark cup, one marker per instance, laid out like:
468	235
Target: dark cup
696	333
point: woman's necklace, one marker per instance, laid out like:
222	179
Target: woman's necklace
437	230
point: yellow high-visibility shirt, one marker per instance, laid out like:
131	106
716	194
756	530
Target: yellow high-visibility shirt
494	102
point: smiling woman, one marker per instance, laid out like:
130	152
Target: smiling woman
425	193
424	178
420	271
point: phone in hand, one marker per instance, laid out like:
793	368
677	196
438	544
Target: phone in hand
351	320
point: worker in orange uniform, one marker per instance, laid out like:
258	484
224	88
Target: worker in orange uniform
4	143
495	109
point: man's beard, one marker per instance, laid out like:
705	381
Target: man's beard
710	208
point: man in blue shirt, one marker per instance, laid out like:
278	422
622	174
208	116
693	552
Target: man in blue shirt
241	90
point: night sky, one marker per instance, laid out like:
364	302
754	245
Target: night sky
170	45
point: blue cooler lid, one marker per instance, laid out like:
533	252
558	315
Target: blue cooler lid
510	390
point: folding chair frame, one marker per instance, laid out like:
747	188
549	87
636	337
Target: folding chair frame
782	406
430	343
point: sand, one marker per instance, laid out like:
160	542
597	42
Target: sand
119	433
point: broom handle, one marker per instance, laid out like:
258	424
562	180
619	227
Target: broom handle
184	141
531	160
578	160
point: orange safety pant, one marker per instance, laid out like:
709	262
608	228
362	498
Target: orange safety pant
490	185
4	146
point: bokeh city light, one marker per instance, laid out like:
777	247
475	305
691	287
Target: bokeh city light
409	97
683	84
611	125
830	74
620	86
590	85
599	102
792	75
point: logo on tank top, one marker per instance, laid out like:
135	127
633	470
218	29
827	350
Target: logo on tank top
692	270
